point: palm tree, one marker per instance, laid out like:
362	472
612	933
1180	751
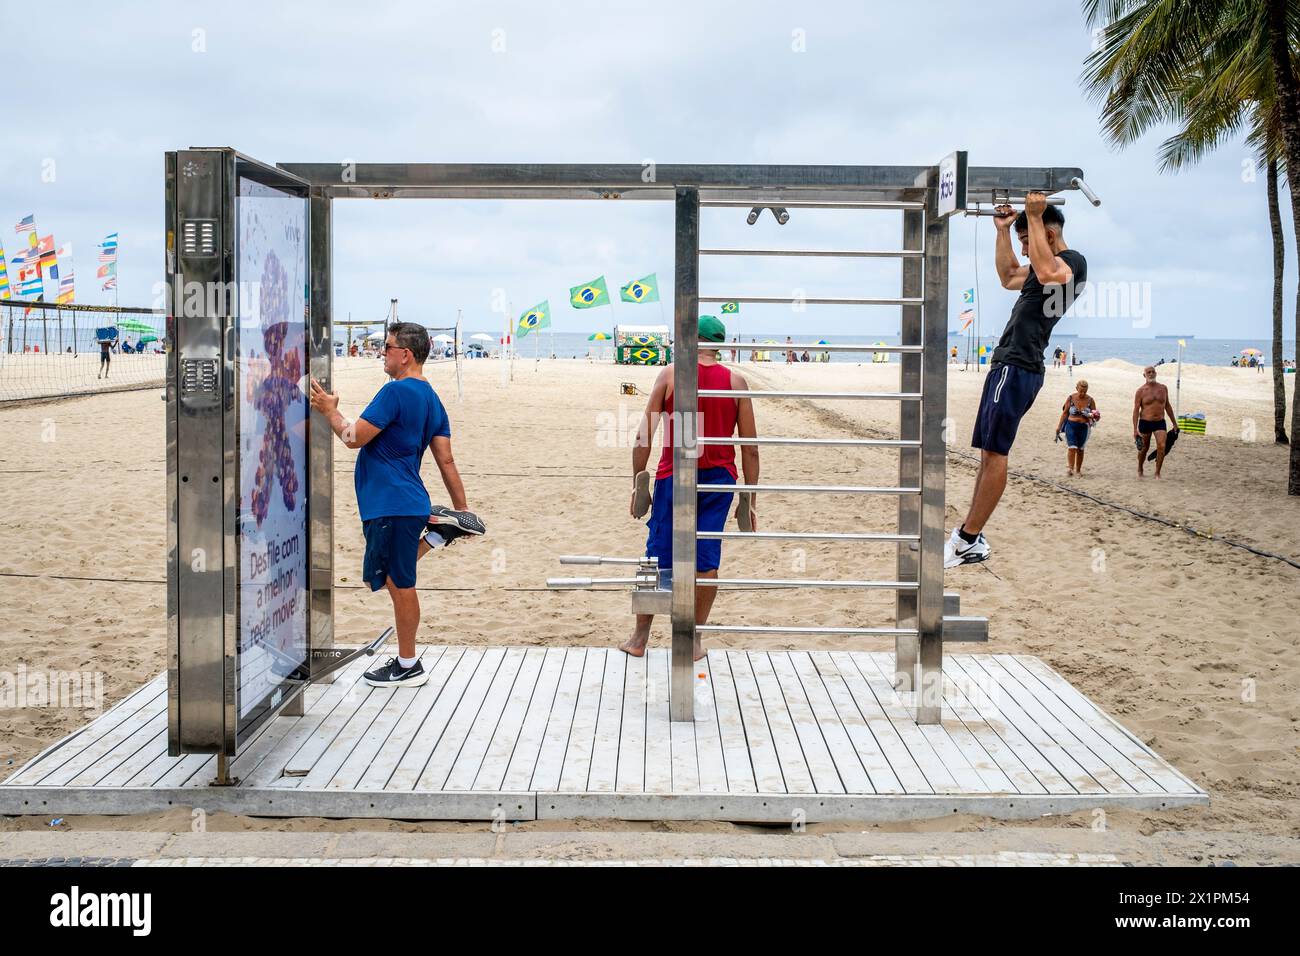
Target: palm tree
1211	64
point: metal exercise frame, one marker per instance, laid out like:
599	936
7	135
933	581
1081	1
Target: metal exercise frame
922	194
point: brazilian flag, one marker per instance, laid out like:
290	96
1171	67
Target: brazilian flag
641	290
538	317
589	294
730	308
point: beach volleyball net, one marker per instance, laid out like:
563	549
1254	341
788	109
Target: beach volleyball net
54	351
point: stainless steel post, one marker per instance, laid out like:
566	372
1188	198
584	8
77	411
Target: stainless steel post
320	442
909	459
934	405
686	384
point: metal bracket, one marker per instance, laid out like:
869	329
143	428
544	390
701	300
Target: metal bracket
647	596
326	660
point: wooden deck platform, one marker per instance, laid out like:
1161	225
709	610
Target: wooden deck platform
514	733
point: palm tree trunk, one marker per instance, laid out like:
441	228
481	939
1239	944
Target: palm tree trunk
1288	97
1279	263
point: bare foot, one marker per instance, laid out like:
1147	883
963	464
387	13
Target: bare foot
700	652
633	646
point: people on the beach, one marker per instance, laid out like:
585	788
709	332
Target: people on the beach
1078	415
105	355
716	465
1150	406
399	523
1048	287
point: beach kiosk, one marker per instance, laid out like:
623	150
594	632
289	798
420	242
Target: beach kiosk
642	345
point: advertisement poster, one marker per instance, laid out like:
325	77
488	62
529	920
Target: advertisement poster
272	359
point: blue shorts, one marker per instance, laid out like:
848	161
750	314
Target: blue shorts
712	516
392	548
1076	434
1009	391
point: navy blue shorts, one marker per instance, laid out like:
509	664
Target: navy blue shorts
1076	434
392	548
712	516
1009	392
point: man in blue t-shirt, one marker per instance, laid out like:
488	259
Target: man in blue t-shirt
1048	285
401	421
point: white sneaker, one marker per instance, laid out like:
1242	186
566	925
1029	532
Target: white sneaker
957	552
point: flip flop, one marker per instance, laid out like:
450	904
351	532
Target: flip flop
744	516
641	502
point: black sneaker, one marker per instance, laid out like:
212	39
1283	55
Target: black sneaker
454	524
393	674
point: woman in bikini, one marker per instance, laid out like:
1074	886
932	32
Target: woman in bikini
1078	415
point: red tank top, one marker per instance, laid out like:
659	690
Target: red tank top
719	422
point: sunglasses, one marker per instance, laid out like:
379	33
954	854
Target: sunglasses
386	348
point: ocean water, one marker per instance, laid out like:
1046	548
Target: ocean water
1133	350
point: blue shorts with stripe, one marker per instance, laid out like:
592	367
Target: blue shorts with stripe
1009	392
711	516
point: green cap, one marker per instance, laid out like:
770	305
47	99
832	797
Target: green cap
712	329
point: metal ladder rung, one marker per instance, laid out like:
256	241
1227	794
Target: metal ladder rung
810	535
757	629
805	583
814	489
831	253
797	346
809	300
760	393
812	204
872	442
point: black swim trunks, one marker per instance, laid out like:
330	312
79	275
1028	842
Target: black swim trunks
1146	428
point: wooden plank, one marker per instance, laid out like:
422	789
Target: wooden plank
609	721
497	758
145	754
105	743
768	772
658	727
974	753
375	734
731	726
1096	767
939	736
686	764
145	731
631	744
55	755
794	768
376	774
523	759
975	688
1060	759
819	740
1020	777
465	768
876	699
852	773
406	775
545	775
708	740
462	721
190	770
870	747
582	734
1105	725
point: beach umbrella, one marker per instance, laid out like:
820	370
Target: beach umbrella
376	336
135	325
147	338
599	337
822	342
442	338
1251	352
482	337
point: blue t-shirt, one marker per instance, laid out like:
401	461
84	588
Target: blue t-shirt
408	414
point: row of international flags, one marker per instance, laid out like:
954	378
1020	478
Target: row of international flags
589	295
43	271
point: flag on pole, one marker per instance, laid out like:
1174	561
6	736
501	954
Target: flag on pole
967	317
106	270
111	283
968	296
730	308
29	276
589	294
26	224
641	290
4	275
65	293
538	317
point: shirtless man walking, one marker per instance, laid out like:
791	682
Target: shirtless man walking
1150	406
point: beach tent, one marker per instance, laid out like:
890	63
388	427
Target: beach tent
642	345
879	357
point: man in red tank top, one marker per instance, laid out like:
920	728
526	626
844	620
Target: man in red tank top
719	418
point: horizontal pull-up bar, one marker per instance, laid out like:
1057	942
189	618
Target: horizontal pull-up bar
804	583
761	393
756	629
832	253
600	559
813	489
810	535
796	346
870	442
811	204
587	582
808	300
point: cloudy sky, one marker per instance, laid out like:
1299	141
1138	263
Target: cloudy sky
671	82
